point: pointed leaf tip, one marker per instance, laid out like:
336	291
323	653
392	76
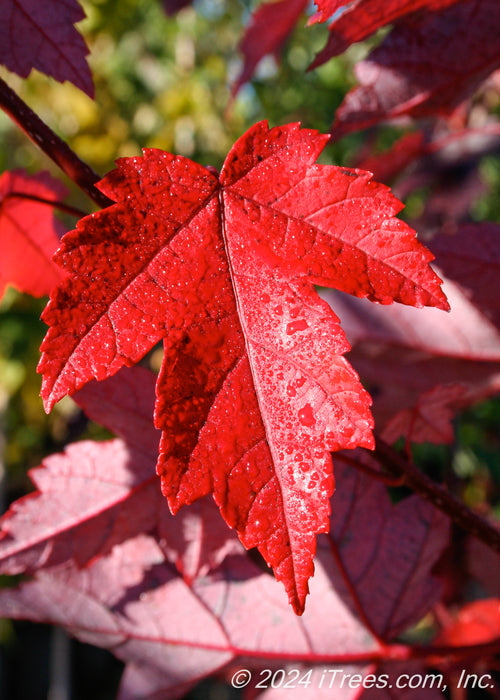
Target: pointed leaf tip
31	38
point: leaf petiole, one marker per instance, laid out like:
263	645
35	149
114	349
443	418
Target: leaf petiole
61	206
463	516
54	147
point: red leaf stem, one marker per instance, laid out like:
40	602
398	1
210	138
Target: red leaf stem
67	208
437	495
377	475
54	147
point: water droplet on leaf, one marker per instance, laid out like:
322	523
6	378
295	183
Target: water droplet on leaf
295	326
306	416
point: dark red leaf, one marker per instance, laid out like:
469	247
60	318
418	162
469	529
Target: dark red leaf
253	391
430	420
449	169
124	404
447	166
361	18
29	233
433	79
97	495
483	563
269	27
399	376
42	36
395	546
454	190
404	152
174	6
471	257
425	330
89	498
196	540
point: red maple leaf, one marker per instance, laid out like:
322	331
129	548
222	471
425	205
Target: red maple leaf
29	233
390	163
30	37
471	257
476	623
270	26
432	79
361	18
253	392
430	420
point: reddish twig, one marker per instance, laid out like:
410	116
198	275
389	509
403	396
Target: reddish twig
388	480
463	516
67	208
54	147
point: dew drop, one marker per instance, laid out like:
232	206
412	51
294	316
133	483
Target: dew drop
306	416
295	326
262	523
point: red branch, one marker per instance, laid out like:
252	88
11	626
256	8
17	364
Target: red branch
67	208
54	147
440	497
392	481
